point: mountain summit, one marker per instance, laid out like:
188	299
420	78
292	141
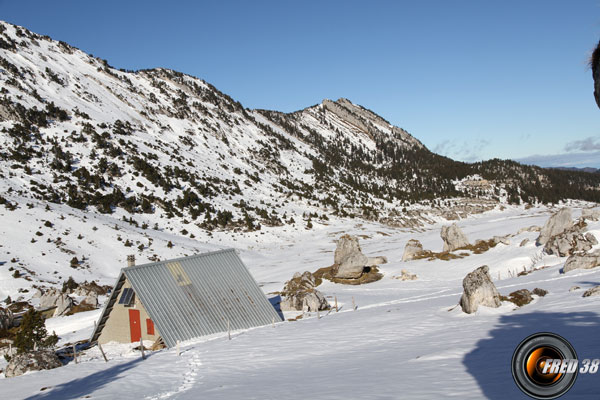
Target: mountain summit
76	131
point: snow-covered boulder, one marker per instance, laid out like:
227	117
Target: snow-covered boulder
453	237
479	290
33	361
412	249
300	294
582	261
558	223
595	291
349	259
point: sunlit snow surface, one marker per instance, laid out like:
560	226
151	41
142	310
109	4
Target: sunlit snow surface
406	339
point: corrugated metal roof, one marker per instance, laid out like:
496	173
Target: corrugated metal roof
196	296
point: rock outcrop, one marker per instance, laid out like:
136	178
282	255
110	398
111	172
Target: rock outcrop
524	242
412	249
582	261
595	291
349	260
558	223
64	304
300	294
453	237
479	290
33	361
571	241
520	297
49	298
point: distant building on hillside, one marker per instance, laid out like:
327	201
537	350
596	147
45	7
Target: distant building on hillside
182	299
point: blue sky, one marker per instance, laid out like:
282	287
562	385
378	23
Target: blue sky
470	79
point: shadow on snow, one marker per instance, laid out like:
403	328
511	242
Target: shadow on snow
81	387
490	362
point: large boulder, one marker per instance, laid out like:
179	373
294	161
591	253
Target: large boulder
595	291
33	361
571	241
558	223
582	261
412	249
453	237
300	294
49	298
64	304
479	290
349	260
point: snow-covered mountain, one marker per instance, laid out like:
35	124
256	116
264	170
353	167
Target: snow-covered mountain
97	164
156	162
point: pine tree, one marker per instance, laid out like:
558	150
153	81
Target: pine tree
33	334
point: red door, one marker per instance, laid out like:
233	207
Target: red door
135	326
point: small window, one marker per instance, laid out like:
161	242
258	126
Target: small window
150	326
127	297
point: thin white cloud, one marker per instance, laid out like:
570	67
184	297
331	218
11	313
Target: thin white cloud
591	143
578	160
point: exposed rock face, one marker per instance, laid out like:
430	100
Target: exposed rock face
300	294
524	242
571	241
595	291
479	290
63	305
592	214
558	223
33	361
6	319
49	298
350	260
582	261
453	237
412	249
406	276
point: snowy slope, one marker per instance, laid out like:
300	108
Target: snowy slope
405	340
